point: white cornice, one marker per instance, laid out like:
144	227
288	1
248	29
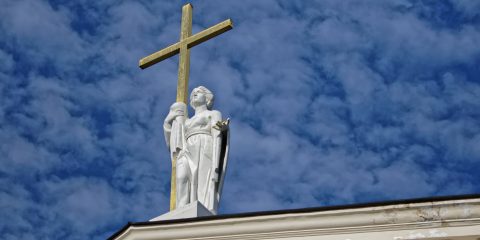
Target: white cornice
434	218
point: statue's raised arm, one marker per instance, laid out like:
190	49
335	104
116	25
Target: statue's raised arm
174	123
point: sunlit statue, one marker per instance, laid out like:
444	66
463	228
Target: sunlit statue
199	148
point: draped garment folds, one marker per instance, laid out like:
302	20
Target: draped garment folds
201	151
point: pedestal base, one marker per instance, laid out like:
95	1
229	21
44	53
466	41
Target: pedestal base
192	210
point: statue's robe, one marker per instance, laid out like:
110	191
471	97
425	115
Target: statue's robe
201	152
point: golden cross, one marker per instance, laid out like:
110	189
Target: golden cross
187	40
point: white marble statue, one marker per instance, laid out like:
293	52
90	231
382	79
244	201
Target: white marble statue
199	146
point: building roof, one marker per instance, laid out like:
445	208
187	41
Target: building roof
301	210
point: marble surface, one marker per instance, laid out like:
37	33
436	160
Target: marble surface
191	210
199	150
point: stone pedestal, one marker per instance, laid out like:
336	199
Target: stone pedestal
192	210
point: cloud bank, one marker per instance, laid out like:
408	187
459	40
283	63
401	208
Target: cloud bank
331	103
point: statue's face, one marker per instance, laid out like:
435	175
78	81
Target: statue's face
198	98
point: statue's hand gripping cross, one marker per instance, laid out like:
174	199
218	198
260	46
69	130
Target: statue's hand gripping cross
187	40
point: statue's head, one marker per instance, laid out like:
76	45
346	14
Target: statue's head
201	95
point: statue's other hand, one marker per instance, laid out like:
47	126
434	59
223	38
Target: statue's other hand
222	125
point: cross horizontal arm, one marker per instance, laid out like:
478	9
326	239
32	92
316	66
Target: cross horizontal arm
191	41
209	33
159	56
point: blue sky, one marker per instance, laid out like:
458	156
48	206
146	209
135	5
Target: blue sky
331	102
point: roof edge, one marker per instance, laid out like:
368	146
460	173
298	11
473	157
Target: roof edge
298	210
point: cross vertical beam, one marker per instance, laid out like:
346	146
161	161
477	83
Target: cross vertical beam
184	62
